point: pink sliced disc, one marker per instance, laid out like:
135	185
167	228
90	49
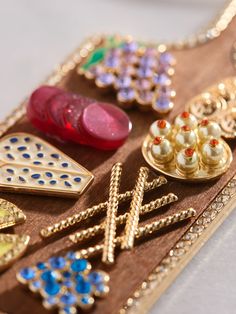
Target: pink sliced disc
36	108
71	115
106	126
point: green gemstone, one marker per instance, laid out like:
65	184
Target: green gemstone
96	57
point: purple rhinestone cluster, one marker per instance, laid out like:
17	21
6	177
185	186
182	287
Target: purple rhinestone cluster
139	74
65	283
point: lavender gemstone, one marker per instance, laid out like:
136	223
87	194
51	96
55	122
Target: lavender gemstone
95	70
166	58
130	46
130	58
162	104
123	81
150	51
161	79
148	61
112	62
143	84
114	52
106	78
146	96
127	70
164	91
144	72
126	94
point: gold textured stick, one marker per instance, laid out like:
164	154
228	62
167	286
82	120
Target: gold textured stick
143	231
133	216
96	209
112	207
91	232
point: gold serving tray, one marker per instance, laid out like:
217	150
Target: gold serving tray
169	169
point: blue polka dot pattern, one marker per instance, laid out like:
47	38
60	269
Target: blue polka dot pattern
28	161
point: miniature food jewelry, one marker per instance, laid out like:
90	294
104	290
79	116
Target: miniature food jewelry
138	74
31	165
217	103
65	283
72	117
187	150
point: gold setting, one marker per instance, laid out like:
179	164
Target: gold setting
217	103
190	154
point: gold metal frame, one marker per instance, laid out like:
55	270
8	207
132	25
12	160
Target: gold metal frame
178	257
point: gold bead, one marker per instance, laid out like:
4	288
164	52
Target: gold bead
212	152
162	150
185	138
186	118
161	128
187	160
208	129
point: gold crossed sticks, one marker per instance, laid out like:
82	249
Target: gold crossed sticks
132	230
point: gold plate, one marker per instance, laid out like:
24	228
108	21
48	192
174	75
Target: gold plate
218	103
12	247
169	169
30	165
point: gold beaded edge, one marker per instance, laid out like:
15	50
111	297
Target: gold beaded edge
178	257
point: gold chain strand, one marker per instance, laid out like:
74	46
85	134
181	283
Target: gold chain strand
91	232
133	216
112	208
143	231
214	30
92	211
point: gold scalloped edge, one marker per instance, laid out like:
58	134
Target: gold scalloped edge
177	258
13	214
19	245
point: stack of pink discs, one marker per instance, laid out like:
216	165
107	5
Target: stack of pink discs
72	117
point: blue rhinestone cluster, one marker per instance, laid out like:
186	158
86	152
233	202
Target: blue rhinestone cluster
65	283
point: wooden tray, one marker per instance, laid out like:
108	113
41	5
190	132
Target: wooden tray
140	276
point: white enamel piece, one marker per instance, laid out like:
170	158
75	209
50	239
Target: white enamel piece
29	164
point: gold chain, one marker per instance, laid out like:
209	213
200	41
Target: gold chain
214	30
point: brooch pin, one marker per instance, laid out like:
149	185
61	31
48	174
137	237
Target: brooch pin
72	117
31	165
65	283
139	74
187	150
217	103
12	246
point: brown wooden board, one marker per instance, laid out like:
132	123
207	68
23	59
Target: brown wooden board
196	69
